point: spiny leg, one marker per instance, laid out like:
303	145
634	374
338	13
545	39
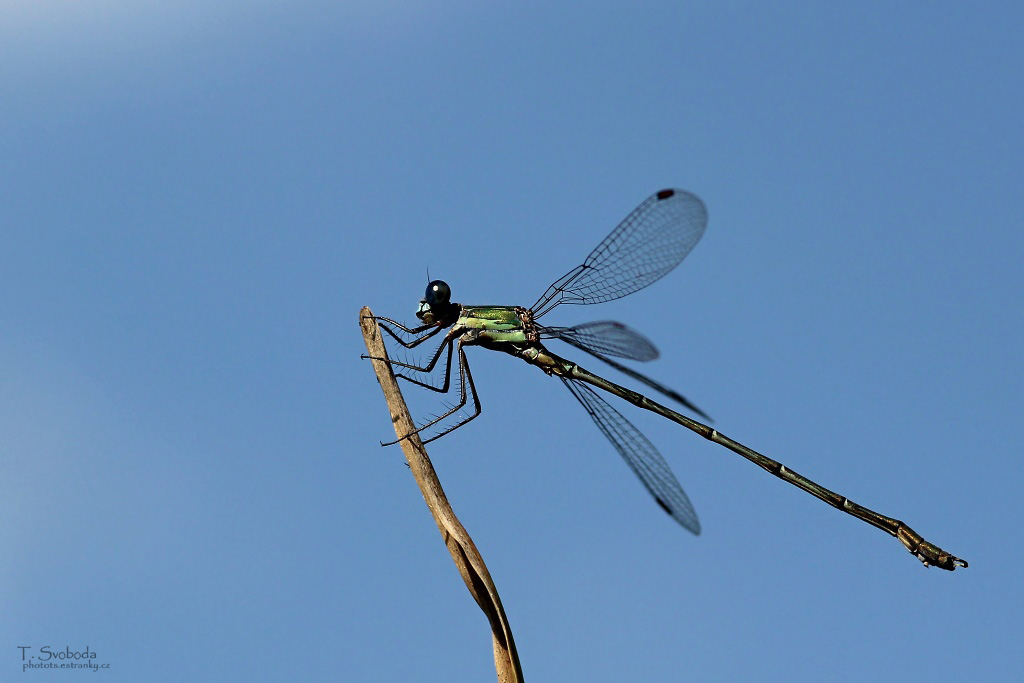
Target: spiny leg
429	367
464	376
427	385
412	344
463	366
414	330
448	344
385	324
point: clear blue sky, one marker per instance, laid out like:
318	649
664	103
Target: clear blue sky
197	198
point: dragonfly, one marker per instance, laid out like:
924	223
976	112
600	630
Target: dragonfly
649	243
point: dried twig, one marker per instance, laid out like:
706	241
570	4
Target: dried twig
467	559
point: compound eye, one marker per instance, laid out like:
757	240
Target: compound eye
438	292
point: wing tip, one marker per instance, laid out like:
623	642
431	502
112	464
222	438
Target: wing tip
691	525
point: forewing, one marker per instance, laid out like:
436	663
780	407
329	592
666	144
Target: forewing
647	244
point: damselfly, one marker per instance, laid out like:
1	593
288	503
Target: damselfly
646	245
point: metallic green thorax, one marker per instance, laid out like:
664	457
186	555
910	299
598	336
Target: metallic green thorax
509	329
497	324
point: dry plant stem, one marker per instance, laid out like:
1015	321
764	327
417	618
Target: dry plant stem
467	559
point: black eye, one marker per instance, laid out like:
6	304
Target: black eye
438	292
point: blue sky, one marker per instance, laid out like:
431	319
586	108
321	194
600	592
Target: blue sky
197	198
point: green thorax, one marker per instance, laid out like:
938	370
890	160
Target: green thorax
500	323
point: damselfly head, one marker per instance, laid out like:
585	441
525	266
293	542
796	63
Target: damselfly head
435	302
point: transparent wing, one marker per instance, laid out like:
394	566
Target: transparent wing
657	386
605	337
608	338
640	454
650	242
